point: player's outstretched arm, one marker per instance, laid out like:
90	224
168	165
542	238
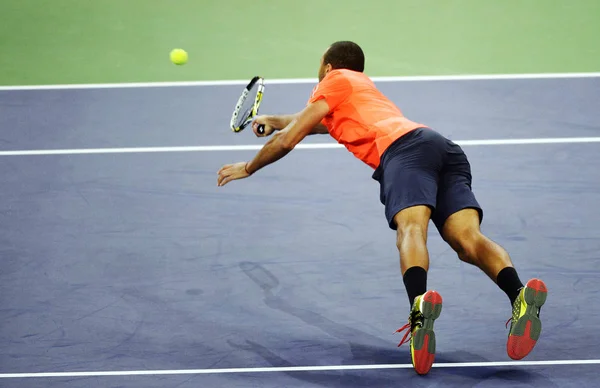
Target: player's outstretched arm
273	123
279	145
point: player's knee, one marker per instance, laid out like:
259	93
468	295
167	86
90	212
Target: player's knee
413	232
467	244
411	224
469	248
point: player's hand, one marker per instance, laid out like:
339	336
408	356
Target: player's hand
264	121
230	172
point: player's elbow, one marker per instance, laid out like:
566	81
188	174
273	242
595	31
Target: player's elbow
286	143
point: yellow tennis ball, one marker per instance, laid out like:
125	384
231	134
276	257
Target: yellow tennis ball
179	56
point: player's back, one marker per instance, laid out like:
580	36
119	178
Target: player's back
362	118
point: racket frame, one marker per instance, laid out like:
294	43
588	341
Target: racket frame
242	99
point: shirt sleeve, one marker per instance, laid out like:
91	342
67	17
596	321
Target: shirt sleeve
334	89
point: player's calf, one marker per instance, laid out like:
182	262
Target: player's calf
461	231
411	226
474	248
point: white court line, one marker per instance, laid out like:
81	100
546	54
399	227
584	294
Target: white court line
296	369
288	81
254	147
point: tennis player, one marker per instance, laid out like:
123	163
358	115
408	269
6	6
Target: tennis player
422	175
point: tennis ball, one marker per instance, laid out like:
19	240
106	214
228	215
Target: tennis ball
179	56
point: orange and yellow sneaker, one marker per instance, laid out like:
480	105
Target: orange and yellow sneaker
425	310
526	326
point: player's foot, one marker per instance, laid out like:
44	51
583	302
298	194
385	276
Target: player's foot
426	309
525	327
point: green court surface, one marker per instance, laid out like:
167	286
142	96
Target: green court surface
99	41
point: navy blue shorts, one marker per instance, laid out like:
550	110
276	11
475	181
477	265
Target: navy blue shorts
425	168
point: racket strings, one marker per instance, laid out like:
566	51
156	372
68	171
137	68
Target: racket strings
246	107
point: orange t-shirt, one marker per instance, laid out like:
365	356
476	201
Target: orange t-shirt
360	117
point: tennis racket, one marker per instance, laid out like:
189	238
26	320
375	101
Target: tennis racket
247	106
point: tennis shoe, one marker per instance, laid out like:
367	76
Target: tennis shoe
525	323
419	330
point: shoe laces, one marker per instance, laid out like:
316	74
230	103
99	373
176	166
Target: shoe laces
415	319
406	337
539	311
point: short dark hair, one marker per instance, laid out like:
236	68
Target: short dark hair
345	55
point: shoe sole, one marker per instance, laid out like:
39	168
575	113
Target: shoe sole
423	340
526	331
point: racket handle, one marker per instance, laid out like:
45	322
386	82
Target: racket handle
261	129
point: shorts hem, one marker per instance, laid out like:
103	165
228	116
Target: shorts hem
397	209
439	223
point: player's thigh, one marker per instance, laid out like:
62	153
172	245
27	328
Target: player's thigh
462	229
458	213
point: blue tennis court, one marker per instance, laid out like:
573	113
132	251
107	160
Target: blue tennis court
124	266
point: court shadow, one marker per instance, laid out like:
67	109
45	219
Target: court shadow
451	377
474	376
340	378
503	376
367	349
363	346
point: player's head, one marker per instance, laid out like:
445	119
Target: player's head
342	55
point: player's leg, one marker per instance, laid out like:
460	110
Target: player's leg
408	176
458	217
411	224
461	231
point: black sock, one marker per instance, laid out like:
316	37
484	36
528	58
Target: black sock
509	282
415	281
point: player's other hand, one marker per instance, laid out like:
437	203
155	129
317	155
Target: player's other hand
258	120
230	172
